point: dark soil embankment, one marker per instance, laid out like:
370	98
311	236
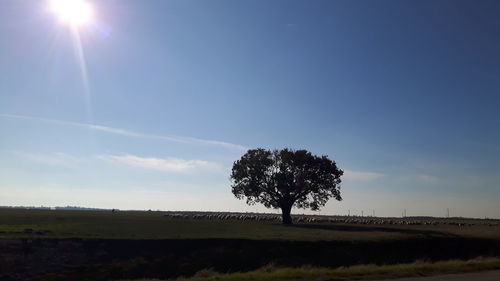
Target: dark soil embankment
103	259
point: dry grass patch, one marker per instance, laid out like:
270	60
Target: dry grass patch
273	273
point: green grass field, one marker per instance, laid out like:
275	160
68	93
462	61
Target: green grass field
15	223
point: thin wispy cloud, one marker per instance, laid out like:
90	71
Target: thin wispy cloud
129	133
161	164
52	159
361	176
428	179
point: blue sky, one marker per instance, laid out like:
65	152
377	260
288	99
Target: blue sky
403	95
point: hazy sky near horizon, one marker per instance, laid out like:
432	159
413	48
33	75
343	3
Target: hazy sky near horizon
403	95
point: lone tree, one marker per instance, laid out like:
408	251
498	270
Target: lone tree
286	178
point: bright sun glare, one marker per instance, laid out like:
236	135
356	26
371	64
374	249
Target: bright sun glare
74	12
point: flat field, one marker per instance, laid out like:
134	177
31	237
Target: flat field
105	245
16	223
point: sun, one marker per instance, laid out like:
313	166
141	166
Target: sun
73	12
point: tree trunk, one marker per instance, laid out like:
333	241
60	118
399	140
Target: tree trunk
286	214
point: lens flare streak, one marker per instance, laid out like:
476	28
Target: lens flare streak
75	14
80	56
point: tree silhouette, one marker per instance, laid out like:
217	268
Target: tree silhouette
286	178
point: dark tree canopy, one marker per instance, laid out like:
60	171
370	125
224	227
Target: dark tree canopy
286	178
